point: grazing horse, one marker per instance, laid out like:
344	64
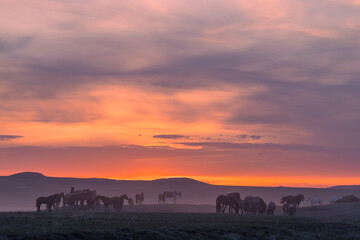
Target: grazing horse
219	201
271	209
161	199
116	201
261	207
254	205
223	201
81	196
314	200
172	195
235	195
49	201
293	199
139	198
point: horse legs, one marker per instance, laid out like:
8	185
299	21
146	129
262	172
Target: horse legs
223	207
106	208
38	207
49	205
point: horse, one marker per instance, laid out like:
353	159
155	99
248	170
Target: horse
161	199
261	207
314	200
172	195
293	199
271	209
333	199
119	202
57	201
49	201
223	201
254	205
139	198
235	195
292	209
286	208
219	201
116	201
81	196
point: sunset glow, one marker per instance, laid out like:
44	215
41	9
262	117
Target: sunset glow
254	93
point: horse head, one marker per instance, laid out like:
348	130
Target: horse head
179	194
125	197
301	197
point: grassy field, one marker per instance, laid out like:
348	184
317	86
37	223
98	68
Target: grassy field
29	225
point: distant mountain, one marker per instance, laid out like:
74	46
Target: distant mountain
348	187
27	175
179	181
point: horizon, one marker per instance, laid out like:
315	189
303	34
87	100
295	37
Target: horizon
252	93
195	178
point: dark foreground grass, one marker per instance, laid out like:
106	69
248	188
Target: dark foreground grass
167	226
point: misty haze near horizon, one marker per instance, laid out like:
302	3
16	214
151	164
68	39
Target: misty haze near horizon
18	192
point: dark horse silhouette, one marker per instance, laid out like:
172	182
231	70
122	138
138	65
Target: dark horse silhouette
296	200
255	205
237	197
262	206
118	202
161	199
139	198
172	195
50	201
223	201
271	209
71	199
292	209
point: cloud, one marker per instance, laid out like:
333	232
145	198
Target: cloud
245	136
170	136
9	137
216	67
262	146
242	136
254	137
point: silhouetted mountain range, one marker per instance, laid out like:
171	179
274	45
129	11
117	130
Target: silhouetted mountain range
27	175
19	191
349	187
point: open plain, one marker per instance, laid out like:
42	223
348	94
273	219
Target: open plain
340	221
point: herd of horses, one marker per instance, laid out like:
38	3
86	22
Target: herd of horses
89	197
231	201
256	205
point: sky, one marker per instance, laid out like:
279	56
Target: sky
256	93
